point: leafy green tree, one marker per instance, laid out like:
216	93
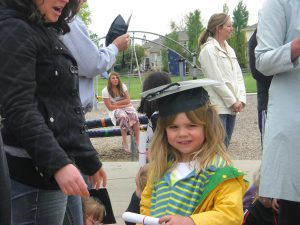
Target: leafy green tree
240	18
85	14
225	9
238	41
194	27
129	58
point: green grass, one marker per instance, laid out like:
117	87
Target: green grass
135	87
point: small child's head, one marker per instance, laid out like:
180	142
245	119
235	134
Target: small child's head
189	127
93	211
141	180
153	80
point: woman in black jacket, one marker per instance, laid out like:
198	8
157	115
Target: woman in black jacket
44	134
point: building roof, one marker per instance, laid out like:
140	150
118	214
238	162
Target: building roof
251	27
152	47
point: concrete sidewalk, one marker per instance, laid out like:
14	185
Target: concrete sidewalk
121	183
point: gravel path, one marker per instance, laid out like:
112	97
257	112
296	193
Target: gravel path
245	142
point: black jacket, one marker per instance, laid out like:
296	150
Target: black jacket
262	82
40	103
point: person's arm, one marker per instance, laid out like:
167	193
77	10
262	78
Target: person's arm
18	100
242	89
19	106
91	60
227	208
274	52
124	102
211	70
112	105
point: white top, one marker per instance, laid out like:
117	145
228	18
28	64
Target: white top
105	94
181	170
222	66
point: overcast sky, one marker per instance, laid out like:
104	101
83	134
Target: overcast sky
156	15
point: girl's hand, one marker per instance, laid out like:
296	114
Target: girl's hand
70	181
96	179
176	220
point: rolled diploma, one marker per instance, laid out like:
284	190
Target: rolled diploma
138	218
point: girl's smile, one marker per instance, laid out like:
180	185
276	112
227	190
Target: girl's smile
185	136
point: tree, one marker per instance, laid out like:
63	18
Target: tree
129	58
194	27
225	9
240	18
85	15
240	21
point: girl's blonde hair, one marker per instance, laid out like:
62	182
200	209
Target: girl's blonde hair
161	152
93	208
216	20
119	86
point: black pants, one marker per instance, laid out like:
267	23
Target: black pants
289	213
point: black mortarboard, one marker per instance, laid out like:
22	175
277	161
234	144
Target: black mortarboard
102	195
117	28
180	97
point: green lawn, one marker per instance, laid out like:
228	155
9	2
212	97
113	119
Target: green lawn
135	87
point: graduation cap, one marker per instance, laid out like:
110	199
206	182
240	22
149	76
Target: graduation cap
102	195
180	97
117	28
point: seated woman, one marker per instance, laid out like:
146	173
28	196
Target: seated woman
121	111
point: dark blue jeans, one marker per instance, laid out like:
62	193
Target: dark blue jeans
228	122
33	206
74	214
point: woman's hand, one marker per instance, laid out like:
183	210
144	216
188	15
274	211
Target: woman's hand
176	220
122	42
237	106
70	181
97	178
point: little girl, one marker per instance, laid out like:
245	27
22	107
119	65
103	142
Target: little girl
93	211
191	180
121	111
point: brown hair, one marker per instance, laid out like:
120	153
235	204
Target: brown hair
119	87
215	21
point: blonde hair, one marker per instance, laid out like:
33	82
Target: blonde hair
119	86
216	20
92	207
161	152
142	177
